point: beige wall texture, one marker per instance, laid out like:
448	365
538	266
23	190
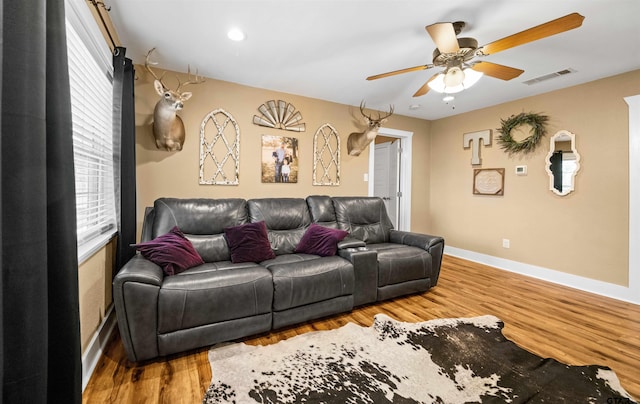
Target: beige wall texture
585	233
176	174
95	292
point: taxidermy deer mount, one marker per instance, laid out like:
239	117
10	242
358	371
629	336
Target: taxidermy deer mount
168	129
358	141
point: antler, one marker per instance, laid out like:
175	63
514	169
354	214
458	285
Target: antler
362	104
380	118
196	80
387	115
147	62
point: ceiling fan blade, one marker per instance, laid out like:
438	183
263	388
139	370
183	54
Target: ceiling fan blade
562	24
425	87
501	72
444	37
393	73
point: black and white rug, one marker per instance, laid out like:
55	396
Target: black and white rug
438	361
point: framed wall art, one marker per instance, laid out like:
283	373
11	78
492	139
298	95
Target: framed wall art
279	159
488	181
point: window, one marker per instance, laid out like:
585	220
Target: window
90	77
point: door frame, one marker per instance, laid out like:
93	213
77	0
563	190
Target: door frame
404	204
633	291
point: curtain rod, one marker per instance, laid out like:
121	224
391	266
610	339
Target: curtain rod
97	5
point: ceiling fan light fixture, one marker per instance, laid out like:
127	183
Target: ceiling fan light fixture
453	77
471	77
439	84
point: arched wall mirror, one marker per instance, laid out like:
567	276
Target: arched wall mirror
562	163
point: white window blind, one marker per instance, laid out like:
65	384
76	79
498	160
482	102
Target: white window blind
91	108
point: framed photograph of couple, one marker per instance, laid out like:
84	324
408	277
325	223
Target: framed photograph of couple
279	159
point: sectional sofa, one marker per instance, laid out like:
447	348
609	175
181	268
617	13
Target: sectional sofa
223	298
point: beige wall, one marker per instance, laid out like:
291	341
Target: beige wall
175	174
584	233
95	292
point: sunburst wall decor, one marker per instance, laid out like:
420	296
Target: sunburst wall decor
279	115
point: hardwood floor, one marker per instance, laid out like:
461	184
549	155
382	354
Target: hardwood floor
571	326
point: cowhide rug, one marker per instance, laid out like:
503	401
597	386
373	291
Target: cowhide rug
438	361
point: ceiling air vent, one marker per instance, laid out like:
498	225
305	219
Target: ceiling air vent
549	76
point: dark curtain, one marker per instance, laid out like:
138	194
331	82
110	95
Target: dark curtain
40	313
124	142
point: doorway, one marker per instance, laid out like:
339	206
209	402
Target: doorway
402	176
386	184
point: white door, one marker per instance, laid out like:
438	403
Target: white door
386	177
404	176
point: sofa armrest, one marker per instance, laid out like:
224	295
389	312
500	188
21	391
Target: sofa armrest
135	293
365	268
434	245
140	269
350	242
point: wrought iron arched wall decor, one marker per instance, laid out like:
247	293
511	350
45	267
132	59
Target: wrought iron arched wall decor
219	149
326	156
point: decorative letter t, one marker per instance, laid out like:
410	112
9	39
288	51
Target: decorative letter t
474	138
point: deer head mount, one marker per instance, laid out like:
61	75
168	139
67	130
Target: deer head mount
358	141
168	129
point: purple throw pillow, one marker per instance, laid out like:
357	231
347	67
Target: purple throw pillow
320	240
173	252
249	242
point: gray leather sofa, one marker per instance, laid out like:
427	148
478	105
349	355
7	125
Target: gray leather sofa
220	301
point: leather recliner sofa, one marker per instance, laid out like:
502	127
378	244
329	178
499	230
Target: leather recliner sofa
221	301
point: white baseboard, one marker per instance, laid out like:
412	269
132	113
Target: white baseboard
96	347
573	281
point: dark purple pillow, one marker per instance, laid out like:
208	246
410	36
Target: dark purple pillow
173	252
320	240
249	242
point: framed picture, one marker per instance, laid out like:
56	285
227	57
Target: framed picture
488	181
279	159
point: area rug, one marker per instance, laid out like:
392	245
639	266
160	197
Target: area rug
463	360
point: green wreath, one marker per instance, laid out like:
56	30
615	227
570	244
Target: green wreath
537	123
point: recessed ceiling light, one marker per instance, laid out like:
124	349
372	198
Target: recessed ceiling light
235	34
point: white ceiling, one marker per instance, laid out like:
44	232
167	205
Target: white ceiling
326	49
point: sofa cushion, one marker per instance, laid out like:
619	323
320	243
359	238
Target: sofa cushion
320	240
310	281
207	294
172	251
398	263
249	242
202	221
364	218
286	219
322	211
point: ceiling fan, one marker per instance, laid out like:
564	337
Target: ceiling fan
456	55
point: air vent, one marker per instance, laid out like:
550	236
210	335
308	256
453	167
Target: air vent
549	76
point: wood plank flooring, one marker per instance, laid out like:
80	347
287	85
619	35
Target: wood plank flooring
549	320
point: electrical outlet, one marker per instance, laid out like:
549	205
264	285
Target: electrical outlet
365	177
506	243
